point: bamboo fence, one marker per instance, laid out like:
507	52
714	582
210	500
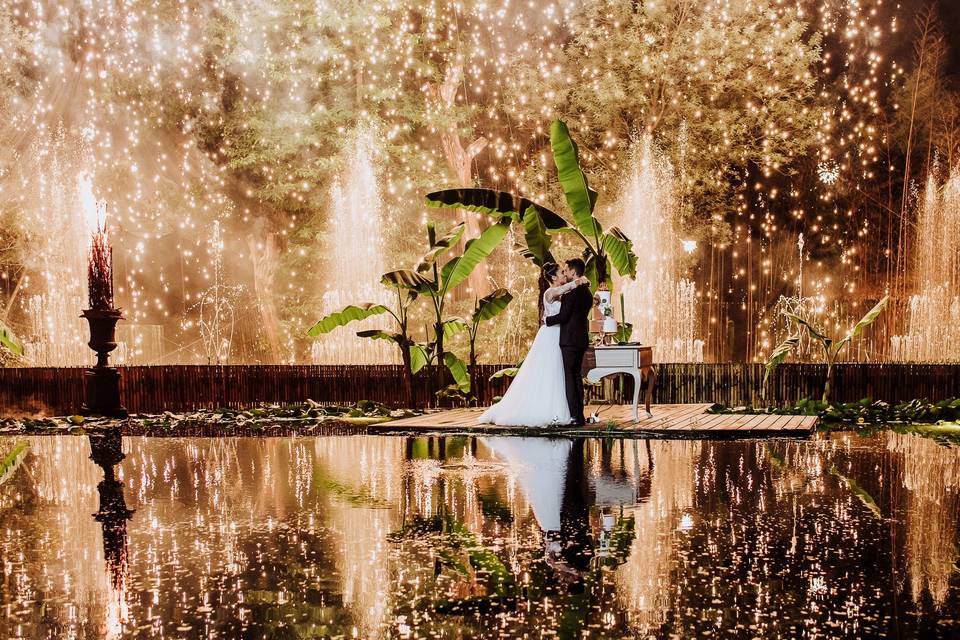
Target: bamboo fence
154	389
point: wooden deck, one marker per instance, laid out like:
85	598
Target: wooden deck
681	420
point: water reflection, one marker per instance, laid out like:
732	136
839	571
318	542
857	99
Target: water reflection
105	451
480	537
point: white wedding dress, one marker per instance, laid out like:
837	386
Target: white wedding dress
537	396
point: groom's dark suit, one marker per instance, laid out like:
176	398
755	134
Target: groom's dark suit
574	322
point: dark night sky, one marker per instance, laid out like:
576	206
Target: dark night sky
950	13
900	48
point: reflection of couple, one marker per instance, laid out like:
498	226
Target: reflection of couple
552	476
548	388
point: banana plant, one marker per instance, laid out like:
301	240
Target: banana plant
486	309
831	347
436	282
603	251
414	355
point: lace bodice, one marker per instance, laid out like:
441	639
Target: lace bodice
551	298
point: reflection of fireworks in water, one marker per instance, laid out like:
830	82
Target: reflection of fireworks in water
931	475
658	517
663	306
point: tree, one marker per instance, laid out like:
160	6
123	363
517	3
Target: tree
459	158
720	86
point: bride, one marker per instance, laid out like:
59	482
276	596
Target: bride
537	396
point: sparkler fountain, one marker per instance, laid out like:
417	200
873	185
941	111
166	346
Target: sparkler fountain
356	251
933	329
50	287
662	305
216	306
102	382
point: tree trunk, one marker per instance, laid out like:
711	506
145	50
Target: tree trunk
828	386
473	368
441	365
407	373
460	161
13	296
263	255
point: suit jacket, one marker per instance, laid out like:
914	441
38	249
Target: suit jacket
574	318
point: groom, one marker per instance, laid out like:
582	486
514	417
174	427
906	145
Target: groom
573	319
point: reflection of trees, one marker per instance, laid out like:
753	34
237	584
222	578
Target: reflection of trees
774	541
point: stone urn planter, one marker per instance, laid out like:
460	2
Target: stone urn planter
102	382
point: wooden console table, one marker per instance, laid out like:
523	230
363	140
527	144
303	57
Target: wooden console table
636	360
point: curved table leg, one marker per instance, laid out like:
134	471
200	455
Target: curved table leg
636	395
651	376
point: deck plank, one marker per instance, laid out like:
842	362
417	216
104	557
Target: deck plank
684	419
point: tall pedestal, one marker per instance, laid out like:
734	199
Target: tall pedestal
102	382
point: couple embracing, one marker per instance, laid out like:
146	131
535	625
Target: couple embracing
548	388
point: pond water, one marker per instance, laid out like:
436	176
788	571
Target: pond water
468	537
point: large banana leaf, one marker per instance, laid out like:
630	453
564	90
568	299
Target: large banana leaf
592	272
459	371
453	326
491	305
779	355
537	238
9	340
408	279
494	203
379	334
418	357
507	372
474	252
864	322
440	246
348	314
619	249
580	197
813	332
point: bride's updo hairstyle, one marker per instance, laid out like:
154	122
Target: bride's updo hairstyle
549	271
